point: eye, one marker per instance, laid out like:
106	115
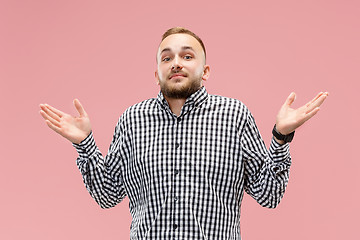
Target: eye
187	57
166	59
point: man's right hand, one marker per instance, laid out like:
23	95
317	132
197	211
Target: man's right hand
75	129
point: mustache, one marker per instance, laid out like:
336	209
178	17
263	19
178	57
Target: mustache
179	73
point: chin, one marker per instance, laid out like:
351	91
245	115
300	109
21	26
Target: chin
178	91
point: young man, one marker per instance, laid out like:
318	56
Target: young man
184	158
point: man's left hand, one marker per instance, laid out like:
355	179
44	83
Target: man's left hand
288	119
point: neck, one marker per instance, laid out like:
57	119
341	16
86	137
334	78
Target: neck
176	104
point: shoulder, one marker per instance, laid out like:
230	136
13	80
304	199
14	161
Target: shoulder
230	109
227	103
137	110
145	105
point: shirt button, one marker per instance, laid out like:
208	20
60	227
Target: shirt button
177	145
175	226
176	172
176	198
178	119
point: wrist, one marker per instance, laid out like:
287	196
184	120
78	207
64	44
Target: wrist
281	142
281	138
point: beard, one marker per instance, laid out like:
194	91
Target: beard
183	91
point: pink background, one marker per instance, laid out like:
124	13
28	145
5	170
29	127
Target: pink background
103	52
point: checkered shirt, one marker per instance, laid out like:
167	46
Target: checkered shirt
185	175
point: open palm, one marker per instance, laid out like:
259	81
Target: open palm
75	129
288	119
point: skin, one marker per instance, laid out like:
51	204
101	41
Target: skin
180	54
180	64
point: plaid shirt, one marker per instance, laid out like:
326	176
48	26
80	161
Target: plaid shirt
185	175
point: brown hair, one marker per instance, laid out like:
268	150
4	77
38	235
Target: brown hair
176	30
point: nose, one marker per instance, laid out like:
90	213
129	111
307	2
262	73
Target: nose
176	66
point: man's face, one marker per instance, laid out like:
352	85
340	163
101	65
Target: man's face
181	66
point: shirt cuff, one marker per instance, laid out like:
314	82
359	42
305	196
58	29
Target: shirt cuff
86	147
279	152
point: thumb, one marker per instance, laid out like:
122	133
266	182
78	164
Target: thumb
291	98
79	108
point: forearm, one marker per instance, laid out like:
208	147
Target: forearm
276	172
104	187
269	174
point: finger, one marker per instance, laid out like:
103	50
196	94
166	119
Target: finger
315	98
311	114
53	127
79	108
54	110
291	98
49	118
316	103
50	113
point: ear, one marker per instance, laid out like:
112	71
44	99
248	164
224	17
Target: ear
157	78
206	73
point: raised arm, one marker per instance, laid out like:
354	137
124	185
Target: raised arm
101	175
75	129
267	171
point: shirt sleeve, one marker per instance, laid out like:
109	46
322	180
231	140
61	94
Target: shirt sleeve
102	176
266	171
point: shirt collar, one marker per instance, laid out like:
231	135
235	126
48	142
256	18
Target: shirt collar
196	99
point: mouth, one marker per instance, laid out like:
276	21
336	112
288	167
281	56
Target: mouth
177	75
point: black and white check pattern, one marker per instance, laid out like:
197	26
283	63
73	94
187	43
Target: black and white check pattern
184	176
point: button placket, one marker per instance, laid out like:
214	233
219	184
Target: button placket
176	171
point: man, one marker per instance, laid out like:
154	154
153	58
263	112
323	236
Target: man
184	158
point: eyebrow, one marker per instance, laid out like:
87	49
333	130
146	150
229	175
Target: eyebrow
182	48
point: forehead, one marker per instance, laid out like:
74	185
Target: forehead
176	42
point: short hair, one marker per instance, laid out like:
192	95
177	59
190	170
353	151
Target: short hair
176	30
